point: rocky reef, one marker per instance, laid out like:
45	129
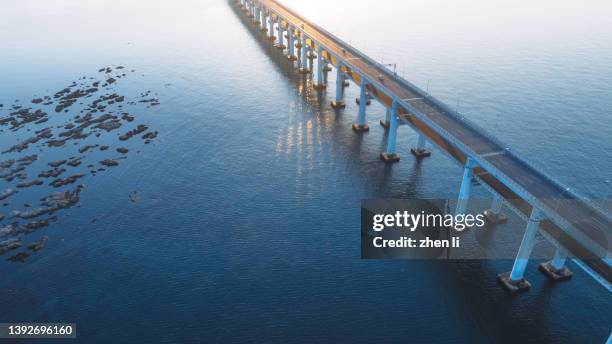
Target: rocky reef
78	121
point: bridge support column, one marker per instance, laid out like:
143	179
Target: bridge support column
514	281
280	44
466	187
385	122
361	125
390	156
291	44
263	16
555	269
420	151
271	23
311	57
494	215
257	17
326	69
249	9
320	85
303	58
339	102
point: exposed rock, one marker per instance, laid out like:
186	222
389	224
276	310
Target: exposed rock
122	150
56	143
74	162
23	116
7	193
27	160
29	184
149	136
9	174
7	163
41	134
127	117
51	173
39	245
86	148
61	182
57	163
139	129
9	245
66	100
109	162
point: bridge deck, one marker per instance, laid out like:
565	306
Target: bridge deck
589	222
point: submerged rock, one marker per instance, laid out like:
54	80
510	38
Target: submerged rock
19	257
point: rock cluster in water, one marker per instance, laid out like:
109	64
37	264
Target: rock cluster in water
100	112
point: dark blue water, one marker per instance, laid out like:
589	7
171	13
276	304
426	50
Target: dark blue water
247	223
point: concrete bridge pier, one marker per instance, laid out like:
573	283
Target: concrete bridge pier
303	60
466	187
249	9
555	269
390	156
339	102
311	57
321	84
385	122
263	19
326	69
271	23
280	44
299	46
291	44
514	281
494	215
361	125
420	150
257	20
